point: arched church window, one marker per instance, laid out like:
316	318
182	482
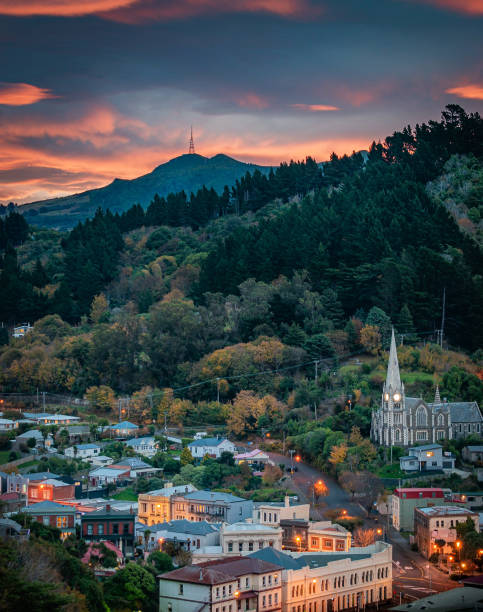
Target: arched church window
440	419
398	435
421	417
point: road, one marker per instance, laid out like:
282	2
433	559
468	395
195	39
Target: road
413	576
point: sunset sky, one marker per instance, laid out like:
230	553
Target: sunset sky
97	89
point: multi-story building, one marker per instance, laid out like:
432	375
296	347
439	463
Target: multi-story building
46	418
271	513
405	421
155	507
336	581
235	583
116	526
83	451
437	524
211	506
405	500
245	537
426	458
473	454
213	447
54	515
8	425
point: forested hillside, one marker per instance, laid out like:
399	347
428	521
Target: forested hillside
280	270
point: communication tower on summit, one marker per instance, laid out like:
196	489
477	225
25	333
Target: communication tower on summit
192	143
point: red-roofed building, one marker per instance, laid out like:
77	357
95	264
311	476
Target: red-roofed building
405	500
49	489
236	583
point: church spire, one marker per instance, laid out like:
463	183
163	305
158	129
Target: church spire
393	379
437	396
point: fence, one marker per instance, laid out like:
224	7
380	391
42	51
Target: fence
40	400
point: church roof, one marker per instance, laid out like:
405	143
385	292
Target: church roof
461	412
393	379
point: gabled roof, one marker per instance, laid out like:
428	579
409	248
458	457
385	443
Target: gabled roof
209	442
85	446
220	571
426	447
270	555
213	496
124	425
41	475
475	449
132	462
168	491
183	526
140	441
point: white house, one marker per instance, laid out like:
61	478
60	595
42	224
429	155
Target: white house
101	460
213	447
46	418
38	437
146	446
108	475
82	451
254	457
8	425
271	513
124	429
427	457
245	537
190	535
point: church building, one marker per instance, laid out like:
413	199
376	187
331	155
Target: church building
408	421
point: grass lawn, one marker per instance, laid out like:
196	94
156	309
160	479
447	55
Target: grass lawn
126	495
4	456
29	464
391	471
410	378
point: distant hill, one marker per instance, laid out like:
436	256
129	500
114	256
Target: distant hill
186	172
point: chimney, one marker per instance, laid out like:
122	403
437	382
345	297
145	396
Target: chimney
287	501
108	507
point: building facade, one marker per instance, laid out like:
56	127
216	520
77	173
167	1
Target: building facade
246	537
155	507
50	489
235	583
54	515
146	446
111	525
427	457
435	527
211	506
271	513
82	451
406	421
213	447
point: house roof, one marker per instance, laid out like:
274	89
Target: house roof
168	491
209	442
6	421
243	526
132	462
41	475
426	447
141	441
124	425
462	412
85	446
251	454
466	598
270	555
108	470
213	496
48	507
445	511
31	433
183	526
111	512
217	572
54	482
475	449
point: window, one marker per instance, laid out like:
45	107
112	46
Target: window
181	588
125	528
46	520
264	581
250	545
440	419
61	521
217	591
398	435
230	546
315	542
421	435
247	582
115	529
240	546
90	529
421	417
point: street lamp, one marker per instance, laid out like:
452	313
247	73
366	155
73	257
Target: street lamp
458	546
299	542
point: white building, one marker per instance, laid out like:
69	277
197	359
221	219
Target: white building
245	537
108	475
189	535
271	513
38	436
146	446
101	460
46	418
332	582
8	425
213	447
427	457
83	451
19	331
324	536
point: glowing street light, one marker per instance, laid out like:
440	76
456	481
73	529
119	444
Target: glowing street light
297	458
298	539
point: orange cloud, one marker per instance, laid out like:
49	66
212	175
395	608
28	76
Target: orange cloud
251	100
469	7
63	8
146	10
315	108
21	94
473	92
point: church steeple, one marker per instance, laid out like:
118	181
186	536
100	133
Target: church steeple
393	378
437	396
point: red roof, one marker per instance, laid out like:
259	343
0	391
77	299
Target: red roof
9	496
412	493
220	571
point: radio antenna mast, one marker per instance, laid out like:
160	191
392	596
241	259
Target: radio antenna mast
192	144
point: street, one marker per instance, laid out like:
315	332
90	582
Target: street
413	576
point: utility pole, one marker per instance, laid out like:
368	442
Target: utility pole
218	391
291	451
443	315
119	410
316	363
165	423
43	401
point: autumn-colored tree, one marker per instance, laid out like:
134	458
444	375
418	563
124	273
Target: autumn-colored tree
338	454
99	309
371	339
363	537
186	457
355	437
101	398
247	409
271	474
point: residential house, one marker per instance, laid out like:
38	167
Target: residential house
356	579
405	500
473	454
146	446
437	524
82	451
271	513
155	506
213	447
188	535
244	537
124	429
47	418
235	583
108	475
19	331
101	460
256	458
49	489
472	500
211	506
53	514
324	536
427	457
77	433
136	467
110	525
12	529
40	441
8	425
200	434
